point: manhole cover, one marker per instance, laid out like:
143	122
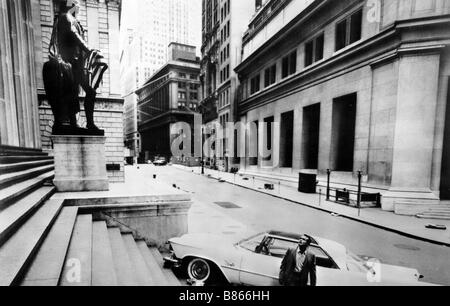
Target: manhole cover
406	247
227	205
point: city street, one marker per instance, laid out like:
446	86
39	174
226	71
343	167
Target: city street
259	212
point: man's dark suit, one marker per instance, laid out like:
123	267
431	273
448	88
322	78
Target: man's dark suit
288	276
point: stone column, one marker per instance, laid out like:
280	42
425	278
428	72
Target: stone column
9	134
114	41
297	158
92	23
276	141
326	122
414	130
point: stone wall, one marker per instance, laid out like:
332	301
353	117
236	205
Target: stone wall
108	116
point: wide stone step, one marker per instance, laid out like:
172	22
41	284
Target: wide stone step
155	269
13	216
77	269
433	216
9	179
103	273
16	192
122	263
172	280
140	269
10	168
4	160
9	150
17	252
45	270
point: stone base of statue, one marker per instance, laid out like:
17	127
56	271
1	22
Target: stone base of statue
80	163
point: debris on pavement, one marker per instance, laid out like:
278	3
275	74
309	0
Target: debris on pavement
436	226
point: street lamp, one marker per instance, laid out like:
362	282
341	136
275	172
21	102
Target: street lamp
203	153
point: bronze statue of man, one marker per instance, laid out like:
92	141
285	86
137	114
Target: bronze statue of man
71	65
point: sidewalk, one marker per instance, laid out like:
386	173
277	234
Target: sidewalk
404	225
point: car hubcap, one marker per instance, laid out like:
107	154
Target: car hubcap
199	270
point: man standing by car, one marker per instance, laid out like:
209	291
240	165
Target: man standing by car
298	265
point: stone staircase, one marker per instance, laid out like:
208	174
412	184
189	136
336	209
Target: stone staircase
438	212
44	243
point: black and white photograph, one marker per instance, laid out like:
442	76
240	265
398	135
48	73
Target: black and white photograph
223	148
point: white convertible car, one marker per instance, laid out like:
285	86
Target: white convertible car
256	261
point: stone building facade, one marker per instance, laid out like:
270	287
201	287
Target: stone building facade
169	97
101	20
354	86
224	22
20	66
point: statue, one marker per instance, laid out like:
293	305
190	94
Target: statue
72	64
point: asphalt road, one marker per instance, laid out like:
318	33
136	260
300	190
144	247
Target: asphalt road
263	212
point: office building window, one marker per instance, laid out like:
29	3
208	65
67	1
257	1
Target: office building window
182	95
289	64
348	30
193	96
270	75
314	50
255	84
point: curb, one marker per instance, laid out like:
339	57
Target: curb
389	229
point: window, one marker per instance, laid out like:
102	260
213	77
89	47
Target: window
254	84
182	95
278	247
182	75
314	50
182	85
193	96
348	30
193	86
193	77
270	75
289	64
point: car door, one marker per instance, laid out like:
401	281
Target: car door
263	268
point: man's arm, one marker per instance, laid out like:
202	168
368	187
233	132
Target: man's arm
312	272
69	24
283	268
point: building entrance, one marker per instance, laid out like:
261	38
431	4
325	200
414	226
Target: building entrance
343	133
445	171
286	139
310	139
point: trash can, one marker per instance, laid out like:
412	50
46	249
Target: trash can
307	182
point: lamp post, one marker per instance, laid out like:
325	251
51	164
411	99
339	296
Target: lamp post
203	153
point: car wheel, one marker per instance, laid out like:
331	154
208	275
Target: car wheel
199	269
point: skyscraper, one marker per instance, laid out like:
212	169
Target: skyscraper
147	29
224	23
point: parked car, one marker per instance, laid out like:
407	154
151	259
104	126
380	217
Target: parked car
256	261
160	161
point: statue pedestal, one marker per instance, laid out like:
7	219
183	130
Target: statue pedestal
80	163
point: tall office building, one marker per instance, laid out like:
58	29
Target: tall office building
147	29
223	24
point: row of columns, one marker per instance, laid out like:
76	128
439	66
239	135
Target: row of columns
19	119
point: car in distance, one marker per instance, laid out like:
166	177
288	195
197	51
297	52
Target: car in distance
160	161
256	261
